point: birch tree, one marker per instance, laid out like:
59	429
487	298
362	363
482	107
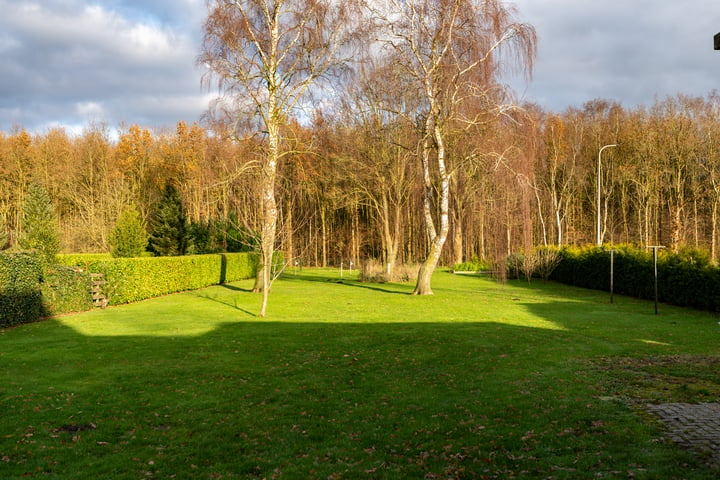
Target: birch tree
267	56
453	50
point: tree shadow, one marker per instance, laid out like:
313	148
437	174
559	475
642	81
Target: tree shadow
235	288
348	282
233	305
307	382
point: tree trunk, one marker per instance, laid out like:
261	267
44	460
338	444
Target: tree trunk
457	242
437	236
269	203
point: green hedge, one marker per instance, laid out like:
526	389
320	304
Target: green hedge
685	278
66	290
20	289
134	279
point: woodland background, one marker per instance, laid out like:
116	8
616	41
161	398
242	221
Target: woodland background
350	188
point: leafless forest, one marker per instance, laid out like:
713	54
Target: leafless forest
351	188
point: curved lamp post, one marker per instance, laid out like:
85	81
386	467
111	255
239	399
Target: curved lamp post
599	185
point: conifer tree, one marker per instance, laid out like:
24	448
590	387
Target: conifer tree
40	228
129	238
3	234
168	236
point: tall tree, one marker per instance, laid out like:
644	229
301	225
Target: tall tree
168	236
378	149
452	50
40	228
266	56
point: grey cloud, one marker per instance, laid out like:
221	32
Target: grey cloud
631	52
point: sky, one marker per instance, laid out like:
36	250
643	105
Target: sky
629	51
72	63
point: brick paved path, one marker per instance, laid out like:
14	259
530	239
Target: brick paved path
694	426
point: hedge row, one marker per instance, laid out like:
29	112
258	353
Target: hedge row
66	290
28	292
20	293
685	278
134	279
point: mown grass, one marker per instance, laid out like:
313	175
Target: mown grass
349	380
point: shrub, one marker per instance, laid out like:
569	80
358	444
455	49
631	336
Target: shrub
476	264
129	237
546	261
20	293
40	228
375	271
540	262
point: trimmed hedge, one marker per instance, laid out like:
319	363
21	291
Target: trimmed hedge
27	293
20	293
66	290
685	279
134	279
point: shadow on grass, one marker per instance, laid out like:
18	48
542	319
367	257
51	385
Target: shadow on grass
233	304
257	397
235	288
410	399
335	279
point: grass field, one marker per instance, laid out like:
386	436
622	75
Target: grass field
354	381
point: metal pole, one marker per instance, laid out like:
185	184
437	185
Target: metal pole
656	279
599	185
655	255
612	273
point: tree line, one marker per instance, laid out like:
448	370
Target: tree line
353	130
350	190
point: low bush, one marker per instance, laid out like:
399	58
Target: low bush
476	264
375	271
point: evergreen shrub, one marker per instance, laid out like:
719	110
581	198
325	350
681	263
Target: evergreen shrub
40	228
169	225
685	278
129	237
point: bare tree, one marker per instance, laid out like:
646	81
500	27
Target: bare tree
377	158
267	56
452	51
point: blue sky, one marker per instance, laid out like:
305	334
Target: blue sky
72	62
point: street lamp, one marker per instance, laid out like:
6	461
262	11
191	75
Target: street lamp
599	185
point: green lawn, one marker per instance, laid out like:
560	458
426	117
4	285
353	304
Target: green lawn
349	380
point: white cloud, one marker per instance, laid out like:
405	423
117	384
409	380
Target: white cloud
90	109
75	61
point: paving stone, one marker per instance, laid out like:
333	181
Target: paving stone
693	426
